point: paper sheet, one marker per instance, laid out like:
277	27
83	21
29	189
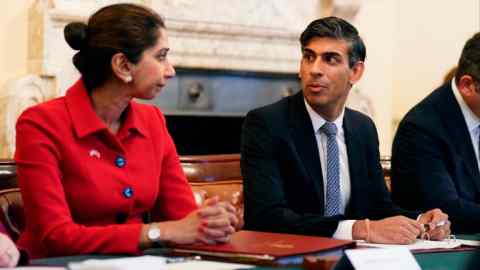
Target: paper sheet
471	243
398	258
418	245
206	265
38	268
153	263
130	263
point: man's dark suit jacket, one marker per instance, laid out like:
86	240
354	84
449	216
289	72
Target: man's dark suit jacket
283	184
434	164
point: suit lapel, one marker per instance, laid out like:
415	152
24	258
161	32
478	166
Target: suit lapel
458	130
355	155
301	130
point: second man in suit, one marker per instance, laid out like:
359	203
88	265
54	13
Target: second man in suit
435	154
311	166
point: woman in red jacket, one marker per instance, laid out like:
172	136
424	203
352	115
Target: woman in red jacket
92	163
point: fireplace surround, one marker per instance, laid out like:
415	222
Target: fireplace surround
205	109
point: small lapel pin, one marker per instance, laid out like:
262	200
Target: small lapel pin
94	153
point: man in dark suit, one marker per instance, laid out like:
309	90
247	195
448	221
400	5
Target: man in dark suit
435	159
311	166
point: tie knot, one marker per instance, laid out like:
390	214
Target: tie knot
329	128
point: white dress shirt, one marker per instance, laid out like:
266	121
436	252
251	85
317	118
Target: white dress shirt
473	122
344	229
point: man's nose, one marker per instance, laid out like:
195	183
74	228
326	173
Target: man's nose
317	68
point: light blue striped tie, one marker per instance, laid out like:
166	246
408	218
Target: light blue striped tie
332	206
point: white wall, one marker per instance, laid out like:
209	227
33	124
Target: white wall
411	44
13	39
374	21
430	37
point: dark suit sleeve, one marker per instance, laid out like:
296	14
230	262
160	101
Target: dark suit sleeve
266	205
420	171
383	205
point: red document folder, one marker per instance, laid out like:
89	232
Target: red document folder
268	246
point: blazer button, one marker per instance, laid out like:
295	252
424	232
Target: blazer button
120	162
128	192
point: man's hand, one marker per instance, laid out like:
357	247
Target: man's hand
393	230
436	224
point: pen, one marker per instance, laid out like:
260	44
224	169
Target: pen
429	227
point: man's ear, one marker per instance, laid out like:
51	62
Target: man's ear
121	67
466	85
356	72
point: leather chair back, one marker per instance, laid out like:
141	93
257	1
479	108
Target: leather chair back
8	174
11	214
11	204
386	163
215	175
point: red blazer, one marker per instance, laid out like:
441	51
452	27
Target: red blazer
84	188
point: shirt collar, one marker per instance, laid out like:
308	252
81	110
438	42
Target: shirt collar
85	120
318	121
470	118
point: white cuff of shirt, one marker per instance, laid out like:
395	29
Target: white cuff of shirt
344	230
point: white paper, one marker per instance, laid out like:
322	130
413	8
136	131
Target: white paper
37	268
153	263
398	258
130	263
471	243
418	245
206	265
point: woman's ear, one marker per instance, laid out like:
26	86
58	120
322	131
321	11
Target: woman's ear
122	68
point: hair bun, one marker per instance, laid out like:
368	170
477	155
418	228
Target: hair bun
75	34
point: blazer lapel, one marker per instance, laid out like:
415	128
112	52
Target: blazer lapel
458	130
301	130
355	155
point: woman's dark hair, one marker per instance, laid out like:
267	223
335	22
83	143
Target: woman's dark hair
126	28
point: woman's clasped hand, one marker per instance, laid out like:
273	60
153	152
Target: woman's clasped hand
214	222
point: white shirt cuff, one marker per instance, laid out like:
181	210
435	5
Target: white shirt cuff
344	230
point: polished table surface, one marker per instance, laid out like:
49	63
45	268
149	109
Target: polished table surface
429	261
451	260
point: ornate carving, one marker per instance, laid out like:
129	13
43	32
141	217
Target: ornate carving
345	9
246	35
18	95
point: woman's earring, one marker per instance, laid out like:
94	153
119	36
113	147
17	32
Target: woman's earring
128	79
